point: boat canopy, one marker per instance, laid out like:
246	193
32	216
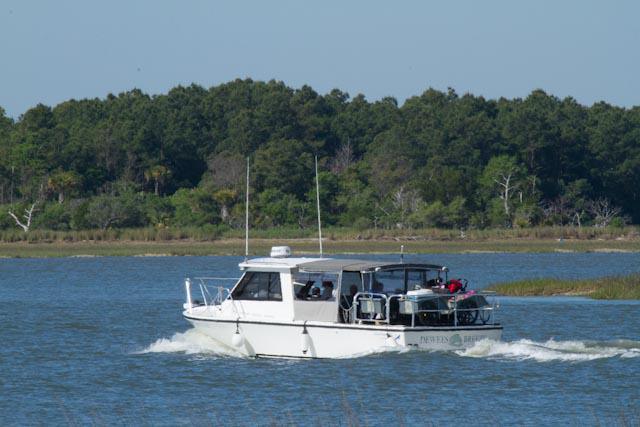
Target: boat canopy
335	265
362	266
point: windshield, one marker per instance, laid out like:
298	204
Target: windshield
399	281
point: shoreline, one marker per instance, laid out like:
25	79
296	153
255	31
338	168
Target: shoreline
309	246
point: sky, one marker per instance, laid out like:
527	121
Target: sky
52	51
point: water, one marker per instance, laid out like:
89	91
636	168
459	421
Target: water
101	341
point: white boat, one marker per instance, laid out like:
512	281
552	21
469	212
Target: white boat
290	307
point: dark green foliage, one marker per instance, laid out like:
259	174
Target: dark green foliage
54	216
439	160
194	207
107	211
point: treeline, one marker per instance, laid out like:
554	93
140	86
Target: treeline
439	160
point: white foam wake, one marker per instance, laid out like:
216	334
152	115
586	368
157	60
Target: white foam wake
551	350
189	342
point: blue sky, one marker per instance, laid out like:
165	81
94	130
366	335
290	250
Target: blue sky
56	50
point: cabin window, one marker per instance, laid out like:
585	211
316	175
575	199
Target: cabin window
315	286
351	284
388	282
422	279
259	286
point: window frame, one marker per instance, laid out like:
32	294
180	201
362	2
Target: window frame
273	282
318	278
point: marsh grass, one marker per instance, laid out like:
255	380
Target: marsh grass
216	232
220	240
612	287
102	246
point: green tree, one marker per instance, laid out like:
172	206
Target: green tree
285	165
158	174
194	207
63	182
107	211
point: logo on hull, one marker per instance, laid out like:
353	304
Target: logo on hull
455	340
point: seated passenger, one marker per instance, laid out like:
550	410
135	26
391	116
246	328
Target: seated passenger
304	292
315	293
353	290
327	290
433	283
378	288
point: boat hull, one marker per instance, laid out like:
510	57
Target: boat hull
330	340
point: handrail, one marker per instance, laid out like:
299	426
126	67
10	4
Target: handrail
207	291
220	296
370	296
452	299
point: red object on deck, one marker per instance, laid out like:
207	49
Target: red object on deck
454	285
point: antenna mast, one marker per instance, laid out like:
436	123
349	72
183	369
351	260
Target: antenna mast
246	218
318	206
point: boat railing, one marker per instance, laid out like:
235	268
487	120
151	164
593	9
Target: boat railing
212	293
376	307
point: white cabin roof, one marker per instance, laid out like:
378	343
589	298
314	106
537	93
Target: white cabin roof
278	263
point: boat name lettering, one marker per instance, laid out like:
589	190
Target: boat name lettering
430	339
473	338
455	339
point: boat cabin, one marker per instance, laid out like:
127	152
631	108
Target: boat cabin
284	288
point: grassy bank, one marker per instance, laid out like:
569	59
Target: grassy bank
261	246
210	240
212	233
614	287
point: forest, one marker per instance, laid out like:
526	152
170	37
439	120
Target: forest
440	160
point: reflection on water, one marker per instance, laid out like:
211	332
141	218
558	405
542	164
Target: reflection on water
101	341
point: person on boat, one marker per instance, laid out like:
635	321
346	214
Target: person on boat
346	303
353	290
378	287
327	290
304	292
315	292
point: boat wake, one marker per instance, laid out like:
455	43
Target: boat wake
190	342
193	342
551	350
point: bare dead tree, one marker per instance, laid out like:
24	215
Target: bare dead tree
506	182
108	222
300	212
556	210
577	217
534	182
603	211
386	213
28	216
342	160
404	202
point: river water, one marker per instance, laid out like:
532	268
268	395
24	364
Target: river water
101	341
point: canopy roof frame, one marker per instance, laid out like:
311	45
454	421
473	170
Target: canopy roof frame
361	266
